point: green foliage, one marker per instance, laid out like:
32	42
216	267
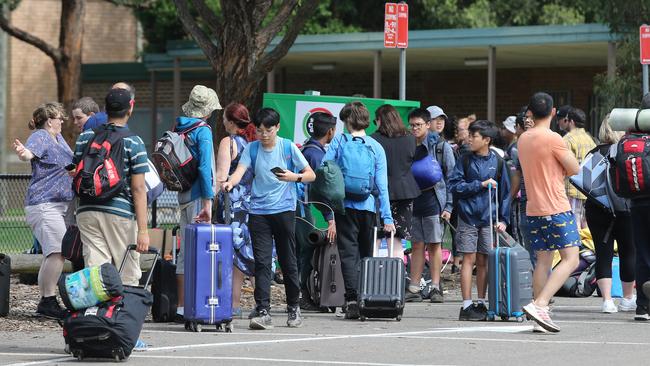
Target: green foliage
624	90
556	14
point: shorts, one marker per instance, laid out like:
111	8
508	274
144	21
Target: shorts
472	239
553	232
188	212
427	229
48	223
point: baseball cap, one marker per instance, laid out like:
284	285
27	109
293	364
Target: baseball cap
118	100
436	111
563	111
509	124
319	118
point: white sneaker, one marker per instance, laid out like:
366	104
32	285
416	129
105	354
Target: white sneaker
609	307
538	329
627	304
541	316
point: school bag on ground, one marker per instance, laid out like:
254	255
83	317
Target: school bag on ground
100	173
163	286
357	161
510	274
110	329
580	284
177	167
326	286
381	285
630	169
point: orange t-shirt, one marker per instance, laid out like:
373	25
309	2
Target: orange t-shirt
540	150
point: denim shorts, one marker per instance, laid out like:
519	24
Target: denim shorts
553	232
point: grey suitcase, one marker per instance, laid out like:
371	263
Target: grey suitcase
510	276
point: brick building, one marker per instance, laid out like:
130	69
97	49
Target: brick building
30	80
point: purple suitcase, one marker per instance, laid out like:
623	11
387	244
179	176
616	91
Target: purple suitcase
208	276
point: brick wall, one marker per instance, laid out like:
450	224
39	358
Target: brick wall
32	80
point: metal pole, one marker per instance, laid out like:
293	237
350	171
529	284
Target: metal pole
177	87
645	79
402	74
270	81
492	83
376	80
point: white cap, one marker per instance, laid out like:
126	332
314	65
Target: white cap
435	111
509	124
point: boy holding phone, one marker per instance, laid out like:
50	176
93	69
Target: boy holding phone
274	161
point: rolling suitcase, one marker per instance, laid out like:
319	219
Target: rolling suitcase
5	273
163	287
381	286
208	276
510	274
110	329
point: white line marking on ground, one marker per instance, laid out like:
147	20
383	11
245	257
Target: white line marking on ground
327	362
256	333
42	362
603	343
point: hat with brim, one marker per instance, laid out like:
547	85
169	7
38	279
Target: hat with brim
203	101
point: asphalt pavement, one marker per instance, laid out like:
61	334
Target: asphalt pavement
429	334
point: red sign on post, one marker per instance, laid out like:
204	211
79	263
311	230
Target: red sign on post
644	39
402	25
390	25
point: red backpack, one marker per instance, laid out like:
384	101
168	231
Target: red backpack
100	173
631	166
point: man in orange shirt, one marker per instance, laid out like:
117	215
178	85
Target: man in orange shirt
545	161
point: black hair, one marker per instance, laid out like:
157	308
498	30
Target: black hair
420	113
521	117
578	116
266	117
320	127
645	102
485	128
450	131
541	105
117	114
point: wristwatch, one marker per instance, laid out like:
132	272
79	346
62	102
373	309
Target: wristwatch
299	178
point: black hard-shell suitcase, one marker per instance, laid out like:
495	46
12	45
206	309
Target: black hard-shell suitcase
510	275
381	286
111	329
163	286
5	274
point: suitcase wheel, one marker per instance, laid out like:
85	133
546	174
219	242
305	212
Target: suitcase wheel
399	318
520	319
490	317
193	327
226	327
504	318
362	318
79	355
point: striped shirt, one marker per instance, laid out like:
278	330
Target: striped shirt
135	162
580	143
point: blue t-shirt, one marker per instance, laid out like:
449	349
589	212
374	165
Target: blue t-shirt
50	181
269	194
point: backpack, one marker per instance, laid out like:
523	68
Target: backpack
286	151
427	172
582	284
100	173
591	179
329	186
630	168
153	183
357	162
173	159
497	177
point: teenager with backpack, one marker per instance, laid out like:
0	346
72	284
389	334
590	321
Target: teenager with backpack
321	127
608	225
195	203
475	179
48	198
363	164
272	217
430	208
241	132
545	161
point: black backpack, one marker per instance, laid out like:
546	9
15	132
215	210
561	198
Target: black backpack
100	173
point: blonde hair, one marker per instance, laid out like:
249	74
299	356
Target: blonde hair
606	135
44	112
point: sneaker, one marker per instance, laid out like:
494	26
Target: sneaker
627	304
482	308
472	313
49	308
352	310
609	307
454	269
436	296
253	314
541	316
262	321
294	319
642	313
538	329
140	346
278	279
412	296
307	305
646	289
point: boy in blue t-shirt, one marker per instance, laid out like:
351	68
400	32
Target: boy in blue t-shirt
272	215
474	175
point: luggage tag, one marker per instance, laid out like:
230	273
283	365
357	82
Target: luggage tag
91	311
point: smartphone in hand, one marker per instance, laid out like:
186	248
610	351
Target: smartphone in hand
277	170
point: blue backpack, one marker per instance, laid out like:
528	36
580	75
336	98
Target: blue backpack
286	152
357	162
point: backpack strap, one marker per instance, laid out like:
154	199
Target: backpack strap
286	152
286	149
440	154
255	147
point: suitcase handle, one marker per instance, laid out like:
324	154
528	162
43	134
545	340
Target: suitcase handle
151	250
493	231
375	246
219	267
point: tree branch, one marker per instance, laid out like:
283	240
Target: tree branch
266	34
266	63
133	4
260	10
193	28
52	52
211	20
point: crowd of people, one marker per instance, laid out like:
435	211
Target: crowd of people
508	177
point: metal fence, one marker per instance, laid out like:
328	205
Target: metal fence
16	236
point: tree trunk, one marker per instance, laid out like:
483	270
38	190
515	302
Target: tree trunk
68	69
